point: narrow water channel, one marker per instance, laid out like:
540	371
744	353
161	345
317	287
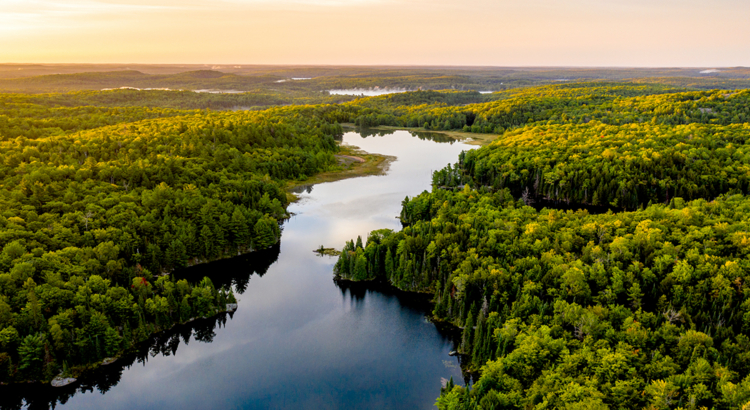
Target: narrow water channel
299	340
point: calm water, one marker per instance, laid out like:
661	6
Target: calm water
299	340
367	92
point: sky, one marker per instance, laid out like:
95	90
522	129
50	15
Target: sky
623	33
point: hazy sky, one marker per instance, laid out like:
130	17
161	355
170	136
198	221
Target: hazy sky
700	33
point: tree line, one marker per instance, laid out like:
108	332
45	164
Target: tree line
577	103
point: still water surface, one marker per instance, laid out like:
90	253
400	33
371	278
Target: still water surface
367	92
299	340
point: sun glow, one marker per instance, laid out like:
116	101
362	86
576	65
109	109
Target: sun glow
476	32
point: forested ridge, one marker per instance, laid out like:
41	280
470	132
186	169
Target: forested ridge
614	145
22	117
644	307
619	166
91	220
280	79
611	103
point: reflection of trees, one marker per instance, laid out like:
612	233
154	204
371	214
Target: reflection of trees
357	292
423	135
415	302
229	272
235	271
302	189
371	132
105	378
433	136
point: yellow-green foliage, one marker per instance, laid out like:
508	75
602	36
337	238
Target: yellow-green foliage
623	166
567	309
88	219
564	308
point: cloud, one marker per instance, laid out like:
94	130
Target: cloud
25	15
308	2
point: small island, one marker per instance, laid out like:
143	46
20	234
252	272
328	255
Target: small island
327	251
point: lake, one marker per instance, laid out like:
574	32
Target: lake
299	340
371	92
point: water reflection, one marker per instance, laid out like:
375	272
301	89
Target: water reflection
302	189
367	92
234	272
355	294
102	379
434	136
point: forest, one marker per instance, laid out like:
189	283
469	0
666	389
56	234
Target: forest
593	255
638	302
100	205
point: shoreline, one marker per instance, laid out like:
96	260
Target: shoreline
355	163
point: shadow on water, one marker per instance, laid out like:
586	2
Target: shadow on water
422	135
104	378
420	303
433	136
235	272
358	291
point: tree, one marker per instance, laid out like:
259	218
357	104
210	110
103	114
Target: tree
32	306
266	232
112	342
206	237
360	267
185	310
31	355
239	228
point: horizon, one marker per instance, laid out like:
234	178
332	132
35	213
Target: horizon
302	65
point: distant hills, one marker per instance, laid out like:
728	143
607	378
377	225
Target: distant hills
191	80
39	78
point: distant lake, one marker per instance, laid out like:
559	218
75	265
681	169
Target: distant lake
375	92
294	79
219	91
367	92
299	340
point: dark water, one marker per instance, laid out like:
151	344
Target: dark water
299	340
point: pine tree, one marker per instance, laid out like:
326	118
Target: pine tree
112	342
388	264
467	334
206	237
185	311
31	355
360	268
266	232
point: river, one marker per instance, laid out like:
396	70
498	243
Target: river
299	340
